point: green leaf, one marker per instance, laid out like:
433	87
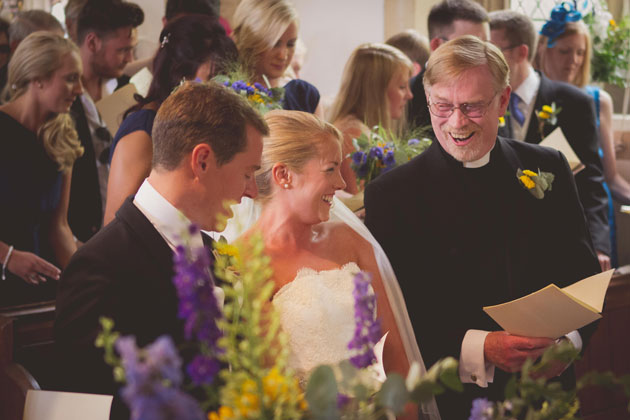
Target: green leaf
393	393
450	377
321	394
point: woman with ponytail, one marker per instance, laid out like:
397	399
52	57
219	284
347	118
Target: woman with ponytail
38	147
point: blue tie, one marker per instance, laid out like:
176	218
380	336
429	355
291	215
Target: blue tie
514	109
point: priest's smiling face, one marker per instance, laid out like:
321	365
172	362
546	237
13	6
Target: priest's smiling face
467	137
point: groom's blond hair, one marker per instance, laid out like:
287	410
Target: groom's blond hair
294	138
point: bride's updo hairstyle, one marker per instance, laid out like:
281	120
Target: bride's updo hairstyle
258	25
37	57
294	138
364	84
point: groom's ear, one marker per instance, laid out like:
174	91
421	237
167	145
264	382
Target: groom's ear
202	159
281	174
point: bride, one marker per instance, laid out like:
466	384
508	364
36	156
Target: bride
315	257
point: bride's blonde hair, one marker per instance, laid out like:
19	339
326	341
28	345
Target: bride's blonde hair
37	57
294	138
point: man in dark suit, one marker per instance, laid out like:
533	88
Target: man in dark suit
447	20
207	144
106	31
462	231
514	34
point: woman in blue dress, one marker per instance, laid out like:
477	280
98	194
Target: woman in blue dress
266	32
37	150
568	60
193	47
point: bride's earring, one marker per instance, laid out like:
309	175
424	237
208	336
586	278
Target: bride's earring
286	186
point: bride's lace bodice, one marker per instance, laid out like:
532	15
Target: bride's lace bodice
317	312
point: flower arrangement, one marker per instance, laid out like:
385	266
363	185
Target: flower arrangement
261	98
380	151
611	45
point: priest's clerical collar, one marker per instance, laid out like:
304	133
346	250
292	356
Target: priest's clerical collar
482	161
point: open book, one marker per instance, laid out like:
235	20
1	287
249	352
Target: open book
557	140
551	311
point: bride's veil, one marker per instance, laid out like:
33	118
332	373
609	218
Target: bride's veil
247	212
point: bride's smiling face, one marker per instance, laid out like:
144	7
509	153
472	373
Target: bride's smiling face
314	187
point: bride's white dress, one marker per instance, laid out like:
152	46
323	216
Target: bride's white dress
316	311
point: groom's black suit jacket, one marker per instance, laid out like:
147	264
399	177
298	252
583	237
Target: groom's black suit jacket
460	239
124	272
578	123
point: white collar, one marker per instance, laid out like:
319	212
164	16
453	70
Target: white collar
166	218
529	88
482	161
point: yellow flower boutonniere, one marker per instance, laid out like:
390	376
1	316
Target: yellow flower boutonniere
501	121
535	183
548	115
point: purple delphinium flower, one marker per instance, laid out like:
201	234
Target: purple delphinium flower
481	409
153	376
363	170
198	306
342	400
359	157
389	159
376	152
367	328
412	142
203	369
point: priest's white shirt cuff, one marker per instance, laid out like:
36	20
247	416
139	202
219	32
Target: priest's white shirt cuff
472	364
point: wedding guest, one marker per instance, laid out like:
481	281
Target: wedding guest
176	8
480	237
207	143
193	47
414	45
106	31
5	52
28	21
374	90
514	33
37	150
447	20
265	32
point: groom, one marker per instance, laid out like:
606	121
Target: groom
207	144
462	232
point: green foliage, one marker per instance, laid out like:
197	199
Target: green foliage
611	51
106	340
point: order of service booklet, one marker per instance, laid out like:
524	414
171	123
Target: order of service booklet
557	140
552	311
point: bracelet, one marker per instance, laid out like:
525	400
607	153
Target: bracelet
6	262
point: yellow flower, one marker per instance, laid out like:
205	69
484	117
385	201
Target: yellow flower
256	98
527	181
227	249
547	109
544	115
274	384
612	23
248	402
302	404
501	121
225	413
529	173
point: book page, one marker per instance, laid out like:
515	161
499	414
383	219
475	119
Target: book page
549	312
142	81
52	405
591	290
114	106
557	140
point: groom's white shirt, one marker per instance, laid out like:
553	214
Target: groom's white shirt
169	222
473	367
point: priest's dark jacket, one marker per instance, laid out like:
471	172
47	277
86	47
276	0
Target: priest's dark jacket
124	272
577	120
461	238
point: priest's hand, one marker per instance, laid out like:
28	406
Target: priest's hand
509	352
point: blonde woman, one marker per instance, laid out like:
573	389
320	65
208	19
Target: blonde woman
266	33
317	246
374	90
37	150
